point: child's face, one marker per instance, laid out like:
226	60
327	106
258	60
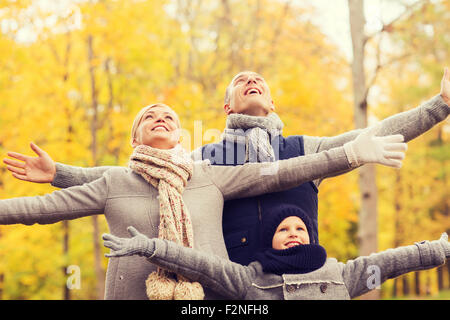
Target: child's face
290	232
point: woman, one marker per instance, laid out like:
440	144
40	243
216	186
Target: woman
163	193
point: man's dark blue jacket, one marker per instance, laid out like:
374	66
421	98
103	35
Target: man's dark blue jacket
242	217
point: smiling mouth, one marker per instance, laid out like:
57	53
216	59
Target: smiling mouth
159	127
251	91
292	244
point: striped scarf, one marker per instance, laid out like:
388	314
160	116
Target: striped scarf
169	171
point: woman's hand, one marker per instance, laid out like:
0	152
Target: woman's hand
367	148
39	169
445	86
138	244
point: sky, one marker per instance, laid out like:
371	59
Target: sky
332	18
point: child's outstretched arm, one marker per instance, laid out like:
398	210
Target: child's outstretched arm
221	275
366	273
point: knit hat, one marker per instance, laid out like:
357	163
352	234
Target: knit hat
298	259
273	218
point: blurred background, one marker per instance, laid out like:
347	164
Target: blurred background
74	73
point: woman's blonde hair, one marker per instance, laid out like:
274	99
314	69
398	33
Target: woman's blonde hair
138	119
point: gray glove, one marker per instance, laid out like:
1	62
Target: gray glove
139	244
443	241
367	148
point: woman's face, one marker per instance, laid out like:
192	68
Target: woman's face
159	128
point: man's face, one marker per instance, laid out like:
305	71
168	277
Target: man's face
290	232
158	128
249	95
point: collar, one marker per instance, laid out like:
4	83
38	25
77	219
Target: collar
272	123
298	259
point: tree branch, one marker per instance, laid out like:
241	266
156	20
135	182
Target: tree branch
389	27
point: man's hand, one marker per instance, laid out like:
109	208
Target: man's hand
39	169
445	86
367	148
445	244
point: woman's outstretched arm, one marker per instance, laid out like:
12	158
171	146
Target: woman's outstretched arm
66	204
42	169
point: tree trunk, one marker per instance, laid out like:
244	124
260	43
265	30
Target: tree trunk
2	280
368	213
428	285
100	274
398	190
417	283
440	277
2	276
446	213
448	276
405	282
228	28
394	288
65	225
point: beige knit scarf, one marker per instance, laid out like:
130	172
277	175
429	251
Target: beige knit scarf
169	171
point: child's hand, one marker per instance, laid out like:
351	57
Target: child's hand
139	244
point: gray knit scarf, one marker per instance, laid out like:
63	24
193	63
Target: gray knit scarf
256	132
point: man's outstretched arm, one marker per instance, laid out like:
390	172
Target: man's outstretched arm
410	124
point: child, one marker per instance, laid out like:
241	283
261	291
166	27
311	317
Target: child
291	265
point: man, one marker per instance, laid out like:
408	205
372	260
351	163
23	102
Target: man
253	134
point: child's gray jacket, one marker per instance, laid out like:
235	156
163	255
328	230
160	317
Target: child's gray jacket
334	280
